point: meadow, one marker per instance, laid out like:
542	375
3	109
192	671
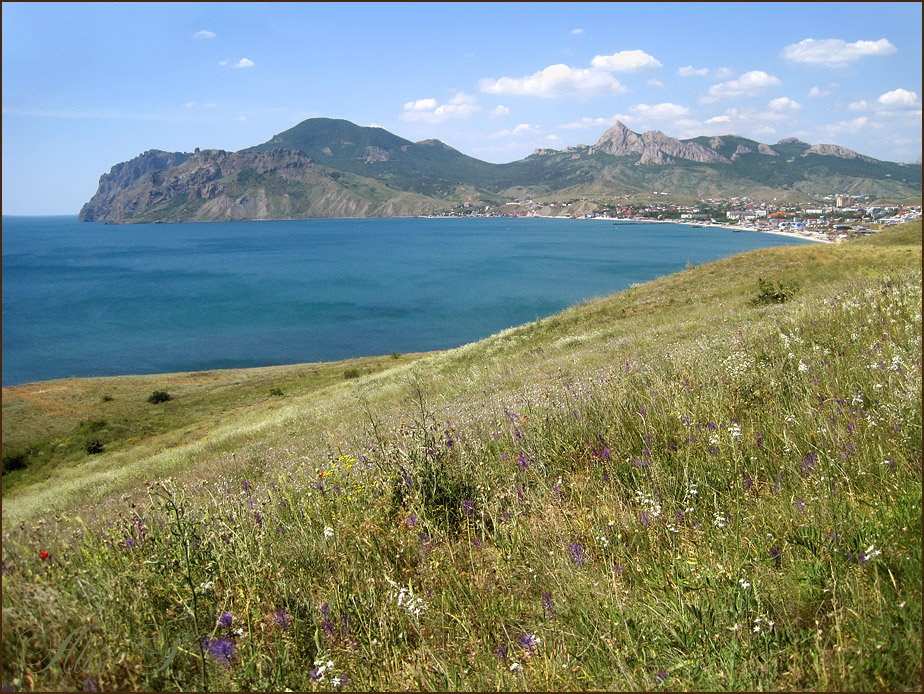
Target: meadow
708	481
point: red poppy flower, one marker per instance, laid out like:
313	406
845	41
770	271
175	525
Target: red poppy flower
44	556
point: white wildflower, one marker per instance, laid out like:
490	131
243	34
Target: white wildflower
328	532
744	584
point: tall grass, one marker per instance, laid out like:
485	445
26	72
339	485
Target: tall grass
735	509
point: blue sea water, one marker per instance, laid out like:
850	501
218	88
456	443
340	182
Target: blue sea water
88	299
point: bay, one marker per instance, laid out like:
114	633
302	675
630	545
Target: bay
86	299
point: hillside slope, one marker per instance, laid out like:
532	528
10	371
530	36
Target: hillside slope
324	167
690	484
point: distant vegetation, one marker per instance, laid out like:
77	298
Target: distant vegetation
675	487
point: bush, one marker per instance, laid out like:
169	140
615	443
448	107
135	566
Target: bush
351	373
159	396
276	392
15	460
767	293
93	446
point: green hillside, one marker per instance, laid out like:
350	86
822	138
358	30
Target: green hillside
711	481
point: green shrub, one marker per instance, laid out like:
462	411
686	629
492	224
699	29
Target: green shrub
276	392
768	293
351	373
15	460
159	396
93	446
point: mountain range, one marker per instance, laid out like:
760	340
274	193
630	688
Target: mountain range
333	168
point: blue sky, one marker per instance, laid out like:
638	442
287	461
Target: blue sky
86	86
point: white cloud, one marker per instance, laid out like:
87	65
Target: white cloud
816	92
204	34
749	84
720	119
555	81
587	122
461	105
784	103
421	105
655	82
500	111
521	129
577	32
189	104
848	126
721	73
222	62
835	52
244	62
860	105
899	98
626	61
690	71
666	111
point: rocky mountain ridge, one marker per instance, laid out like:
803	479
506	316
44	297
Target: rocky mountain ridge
334	168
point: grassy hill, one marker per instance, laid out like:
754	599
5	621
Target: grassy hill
710	481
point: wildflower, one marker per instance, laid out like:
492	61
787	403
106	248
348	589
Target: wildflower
577	553
328	532
501	652
660	676
225	620
775	555
467	505
282	618
548	606
809	463
523	462
743	583
644	518
719	520
528	642
325	609
220	650
6	568
412	520
246	485
43	556
207	586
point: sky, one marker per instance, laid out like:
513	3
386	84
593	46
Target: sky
86	85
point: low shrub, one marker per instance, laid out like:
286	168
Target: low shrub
159	396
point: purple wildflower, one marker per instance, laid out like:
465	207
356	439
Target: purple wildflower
617	570
523	462
467	505
412	520
520	495
775	555
246	485
424	538
6	568
748	482
641	462
645	518
408	482
282	618
760	442
90	685
577	553
660	676
221	650
319	485
528	642
501	652
225	620
642	411
328	626
809	463
801	505
548	605
325	609
129	543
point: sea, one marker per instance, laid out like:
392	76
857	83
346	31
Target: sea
89	299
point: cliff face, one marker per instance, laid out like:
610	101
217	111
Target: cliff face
214	185
654	147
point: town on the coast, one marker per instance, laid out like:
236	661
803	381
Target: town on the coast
835	218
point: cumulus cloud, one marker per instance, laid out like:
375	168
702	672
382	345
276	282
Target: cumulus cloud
816	92
721	73
588	122
835	52
204	34
556	81
784	103
461	105
860	105
577	32
626	61
244	62
521	129
899	98
500	111
665	111
749	84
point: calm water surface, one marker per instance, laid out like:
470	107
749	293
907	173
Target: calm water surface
85	299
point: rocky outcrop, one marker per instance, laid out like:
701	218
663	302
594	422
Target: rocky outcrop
653	147
834	151
766	149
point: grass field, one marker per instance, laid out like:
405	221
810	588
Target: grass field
710	481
